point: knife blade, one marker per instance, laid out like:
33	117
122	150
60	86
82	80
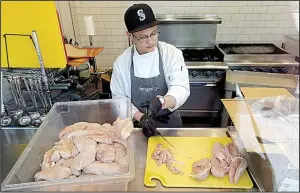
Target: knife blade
158	133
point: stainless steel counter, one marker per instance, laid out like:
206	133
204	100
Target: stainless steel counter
15	140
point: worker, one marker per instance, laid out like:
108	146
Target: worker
150	71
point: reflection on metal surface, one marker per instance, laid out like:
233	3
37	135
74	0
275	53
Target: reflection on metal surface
206	65
13	142
203	19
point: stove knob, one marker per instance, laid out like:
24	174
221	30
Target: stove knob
243	69
274	70
233	68
208	74
194	74
253	69
284	70
219	74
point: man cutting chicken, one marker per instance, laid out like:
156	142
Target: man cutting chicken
150	73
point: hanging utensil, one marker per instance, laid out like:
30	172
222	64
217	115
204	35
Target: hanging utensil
43	97
24	120
18	113
40	95
5	121
33	92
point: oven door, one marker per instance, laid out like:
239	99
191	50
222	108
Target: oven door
204	100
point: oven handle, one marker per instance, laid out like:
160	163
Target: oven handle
207	84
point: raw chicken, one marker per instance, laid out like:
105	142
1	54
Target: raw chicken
163	156
100	169
124	166
123	127
218	151
218	167
120	151
86	156
55	157
54	173
236	169
47	163
74	151
171	167
201	169
65	162
106	153
231	152
71	128
71	177
64	147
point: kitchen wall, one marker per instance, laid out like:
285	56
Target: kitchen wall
243	21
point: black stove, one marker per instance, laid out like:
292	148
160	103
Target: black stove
202	55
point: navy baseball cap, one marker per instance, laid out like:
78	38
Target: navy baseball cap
139	17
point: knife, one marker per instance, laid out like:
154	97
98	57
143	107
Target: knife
148	112
158	133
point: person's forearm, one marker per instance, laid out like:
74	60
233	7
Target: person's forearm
138	115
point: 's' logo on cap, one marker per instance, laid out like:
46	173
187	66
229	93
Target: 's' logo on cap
141	15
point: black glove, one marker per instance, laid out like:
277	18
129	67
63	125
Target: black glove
155	106
148	126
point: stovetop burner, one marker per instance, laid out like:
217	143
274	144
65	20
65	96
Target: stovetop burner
212	55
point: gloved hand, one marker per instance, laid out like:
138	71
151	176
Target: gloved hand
148	125
155	106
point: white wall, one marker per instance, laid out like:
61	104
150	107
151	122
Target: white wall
243	21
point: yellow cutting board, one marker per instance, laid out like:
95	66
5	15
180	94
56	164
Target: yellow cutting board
22	17
187	150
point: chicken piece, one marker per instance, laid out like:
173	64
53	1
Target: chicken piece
267	105
236	169
71	177
124	127
201	169
106	153
106	169
65	147
118	145
104	139
218	151
86	156
82	133
171	167
47	163
218	167
120	142
231	152
120	151
107	137
94	126
55	157
65	162
72	128
124	166
74	151
54	173
161	156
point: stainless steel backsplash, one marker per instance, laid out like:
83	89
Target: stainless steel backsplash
188	35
